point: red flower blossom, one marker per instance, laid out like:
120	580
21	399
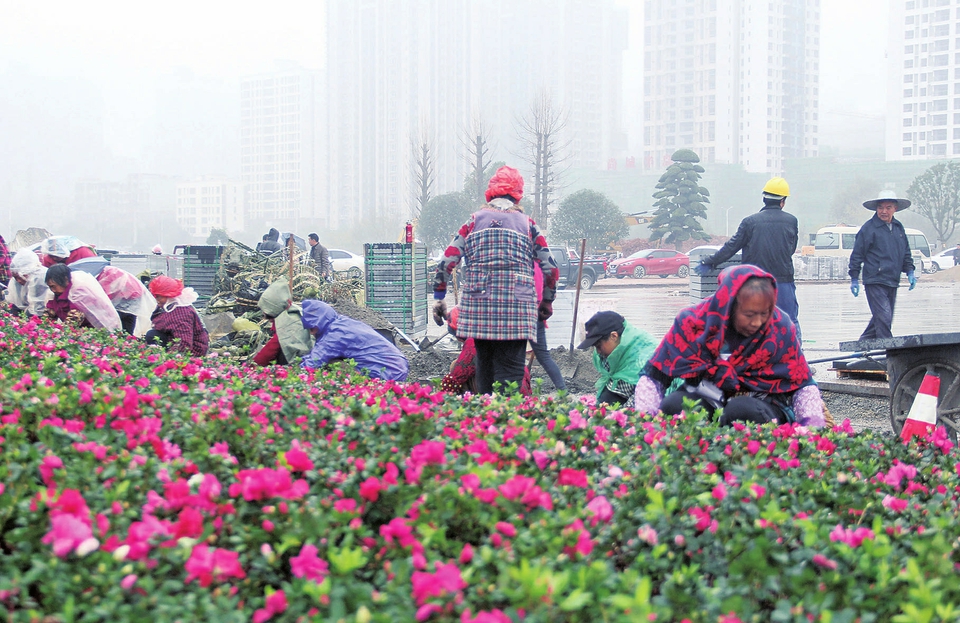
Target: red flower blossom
209	565
308	565
573	477
276	603
297	459
446	580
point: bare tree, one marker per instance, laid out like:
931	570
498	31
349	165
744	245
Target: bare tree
543	147
424	171
475	141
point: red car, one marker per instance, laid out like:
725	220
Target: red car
663	262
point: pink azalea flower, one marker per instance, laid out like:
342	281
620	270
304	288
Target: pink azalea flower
541	458
47	466
209	565
466	554
753	446
506	529
516	487
648	535
348	505
601	509
894	503
853	538
446	580
429	453
757	491
308	565
729	618
573	477
189	523
720	491
584	544
66	533
297	459
822	561
576	421
370	488
426	611
492	616
128	581
276	603
898	472
209	487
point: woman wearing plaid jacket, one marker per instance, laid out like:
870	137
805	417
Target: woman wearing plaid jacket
498	305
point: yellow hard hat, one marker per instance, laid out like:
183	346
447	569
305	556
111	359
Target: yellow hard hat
778	187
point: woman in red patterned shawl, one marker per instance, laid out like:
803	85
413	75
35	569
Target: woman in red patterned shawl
737	352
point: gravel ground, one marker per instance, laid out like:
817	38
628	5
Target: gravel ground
864	413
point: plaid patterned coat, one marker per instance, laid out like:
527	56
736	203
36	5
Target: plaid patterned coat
4	262
183	323
498	300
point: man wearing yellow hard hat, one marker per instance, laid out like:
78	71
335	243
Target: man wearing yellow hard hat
768	239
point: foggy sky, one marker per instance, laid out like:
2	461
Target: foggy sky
112	72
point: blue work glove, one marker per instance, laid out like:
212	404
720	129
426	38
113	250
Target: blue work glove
703	269
912	278
855	287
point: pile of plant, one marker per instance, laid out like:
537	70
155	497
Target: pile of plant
135	485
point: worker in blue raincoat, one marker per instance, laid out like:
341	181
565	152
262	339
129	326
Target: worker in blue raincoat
339	337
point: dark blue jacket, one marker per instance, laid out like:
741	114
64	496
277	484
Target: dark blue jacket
883	251
340	337
768	239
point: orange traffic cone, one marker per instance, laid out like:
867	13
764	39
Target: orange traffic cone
922	417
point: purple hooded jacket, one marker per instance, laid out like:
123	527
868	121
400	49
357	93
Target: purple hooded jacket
340	337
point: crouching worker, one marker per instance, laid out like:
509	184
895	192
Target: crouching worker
621	351
463	372
28	288
736	352
176	324
79	300
339	337
290	339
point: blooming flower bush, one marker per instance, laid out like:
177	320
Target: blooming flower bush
136	485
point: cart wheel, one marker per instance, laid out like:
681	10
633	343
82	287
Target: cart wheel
948	403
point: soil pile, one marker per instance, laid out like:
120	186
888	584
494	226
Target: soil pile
429	364
347	307
950	275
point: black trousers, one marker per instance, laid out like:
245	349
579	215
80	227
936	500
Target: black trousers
499	361
881	300
158	338
739	409
128	322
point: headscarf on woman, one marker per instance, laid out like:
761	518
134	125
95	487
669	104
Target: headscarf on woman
769	361
31	296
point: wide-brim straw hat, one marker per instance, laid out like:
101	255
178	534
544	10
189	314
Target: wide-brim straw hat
886	195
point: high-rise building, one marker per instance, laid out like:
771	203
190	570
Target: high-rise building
210	202
399	70
279	158
923	73
734	80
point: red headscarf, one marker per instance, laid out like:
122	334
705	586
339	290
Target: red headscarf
166	286
770	361
506	181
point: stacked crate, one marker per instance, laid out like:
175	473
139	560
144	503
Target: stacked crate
702	287
201	263
397	284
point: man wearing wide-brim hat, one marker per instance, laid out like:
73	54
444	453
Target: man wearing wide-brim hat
882	250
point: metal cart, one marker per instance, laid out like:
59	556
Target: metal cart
909	357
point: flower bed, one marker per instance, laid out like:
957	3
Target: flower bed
137	486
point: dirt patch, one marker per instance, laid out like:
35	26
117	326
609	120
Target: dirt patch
578	371
429	364
347	307
950	275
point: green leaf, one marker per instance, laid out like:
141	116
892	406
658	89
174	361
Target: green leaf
576	600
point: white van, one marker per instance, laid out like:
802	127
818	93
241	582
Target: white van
837	241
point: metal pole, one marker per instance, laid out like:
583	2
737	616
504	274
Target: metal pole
576	300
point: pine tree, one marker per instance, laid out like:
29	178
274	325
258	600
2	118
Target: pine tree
680	201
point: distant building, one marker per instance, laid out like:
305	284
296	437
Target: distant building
401	69
734	80
279	155
210	202
95	199
923	75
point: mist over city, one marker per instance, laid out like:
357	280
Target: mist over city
129	127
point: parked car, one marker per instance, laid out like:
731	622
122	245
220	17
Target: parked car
568	261
345	261
696	254
942	260
663	262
